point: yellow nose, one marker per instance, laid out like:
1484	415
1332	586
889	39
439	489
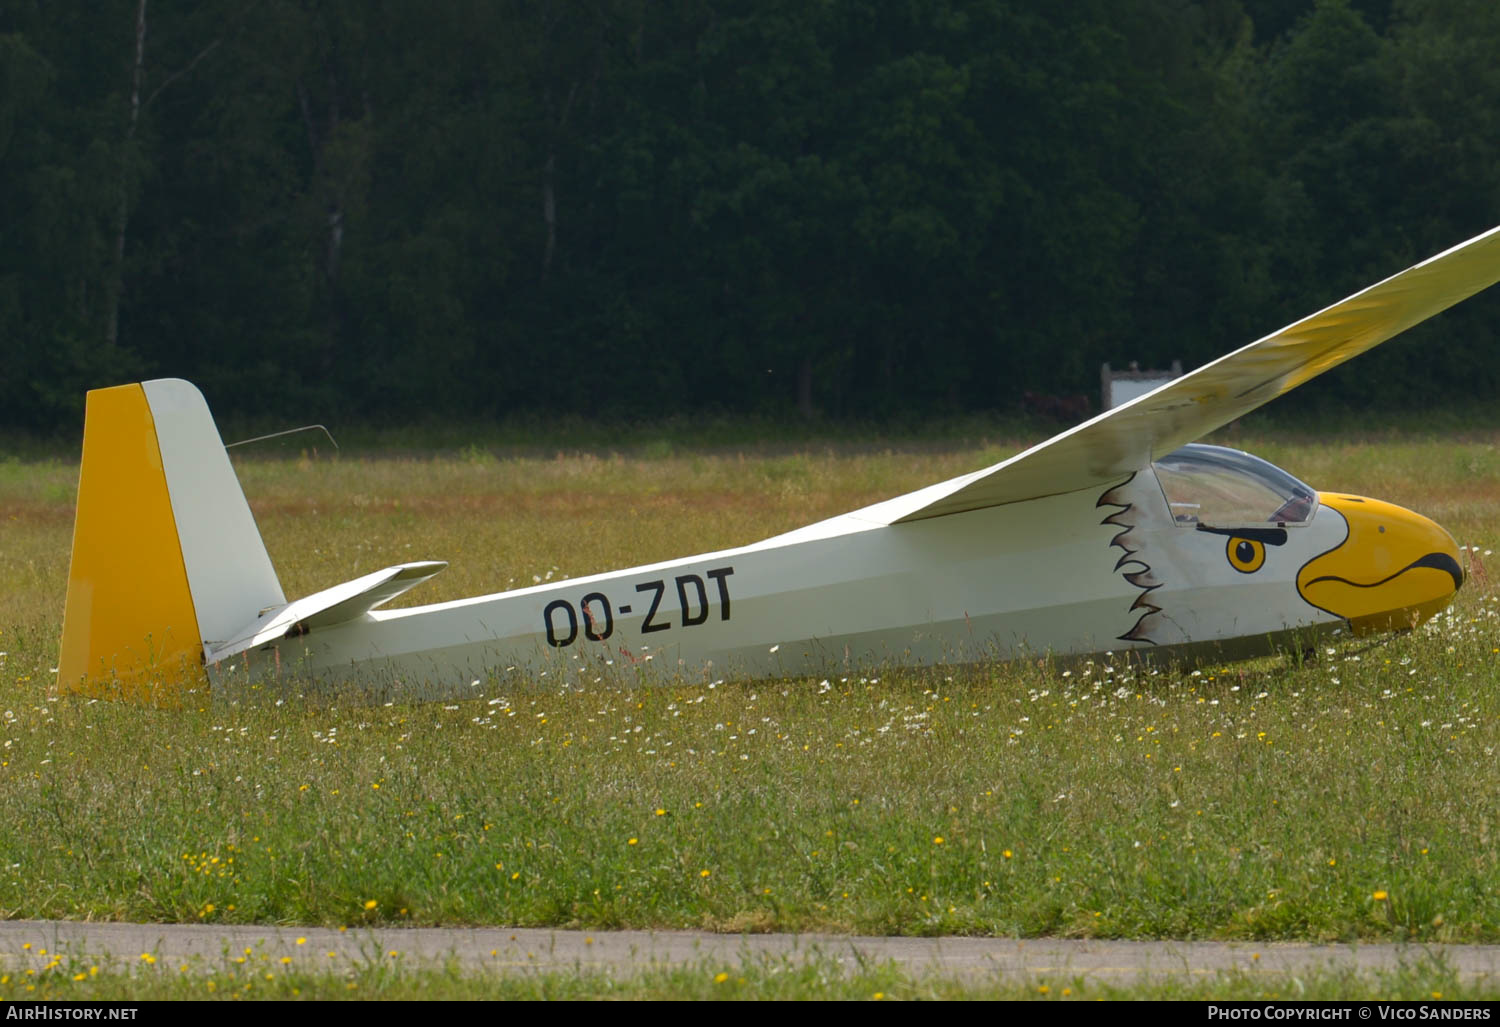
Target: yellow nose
1394	571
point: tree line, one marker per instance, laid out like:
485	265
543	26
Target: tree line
851	208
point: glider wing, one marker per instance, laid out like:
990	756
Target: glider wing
1121	441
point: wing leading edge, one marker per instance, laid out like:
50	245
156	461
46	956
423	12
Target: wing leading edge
1121	441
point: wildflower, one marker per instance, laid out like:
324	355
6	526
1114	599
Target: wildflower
1379	896
703	873
1007	854
661	812
301	941
633	841
937	840
371	904
148	958
720	978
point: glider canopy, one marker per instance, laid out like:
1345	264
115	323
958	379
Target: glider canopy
1227	488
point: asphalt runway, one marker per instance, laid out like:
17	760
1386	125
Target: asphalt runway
522	950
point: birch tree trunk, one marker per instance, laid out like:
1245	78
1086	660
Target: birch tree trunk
115	286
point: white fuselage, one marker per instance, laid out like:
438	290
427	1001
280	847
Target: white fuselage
1031	578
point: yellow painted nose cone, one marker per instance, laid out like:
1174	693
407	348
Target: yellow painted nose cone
1394	571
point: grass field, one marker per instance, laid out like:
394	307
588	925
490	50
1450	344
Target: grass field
1355	796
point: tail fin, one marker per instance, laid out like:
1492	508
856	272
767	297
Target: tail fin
166	555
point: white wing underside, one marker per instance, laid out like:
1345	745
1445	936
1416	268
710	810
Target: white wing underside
1121	441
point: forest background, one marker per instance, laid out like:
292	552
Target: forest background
847	209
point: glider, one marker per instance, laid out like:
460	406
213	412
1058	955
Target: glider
1118	534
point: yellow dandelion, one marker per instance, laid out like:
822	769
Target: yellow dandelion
371	904
633	841
148	958
703	873
1007	854
1380	896
878	996
661	812
285	960
301	941
937	840
1043	990
720	978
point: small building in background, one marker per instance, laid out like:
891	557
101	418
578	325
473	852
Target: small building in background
1116	387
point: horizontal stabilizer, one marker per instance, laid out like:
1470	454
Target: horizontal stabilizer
346	602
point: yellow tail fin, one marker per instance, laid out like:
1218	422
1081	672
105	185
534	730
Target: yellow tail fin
129	629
